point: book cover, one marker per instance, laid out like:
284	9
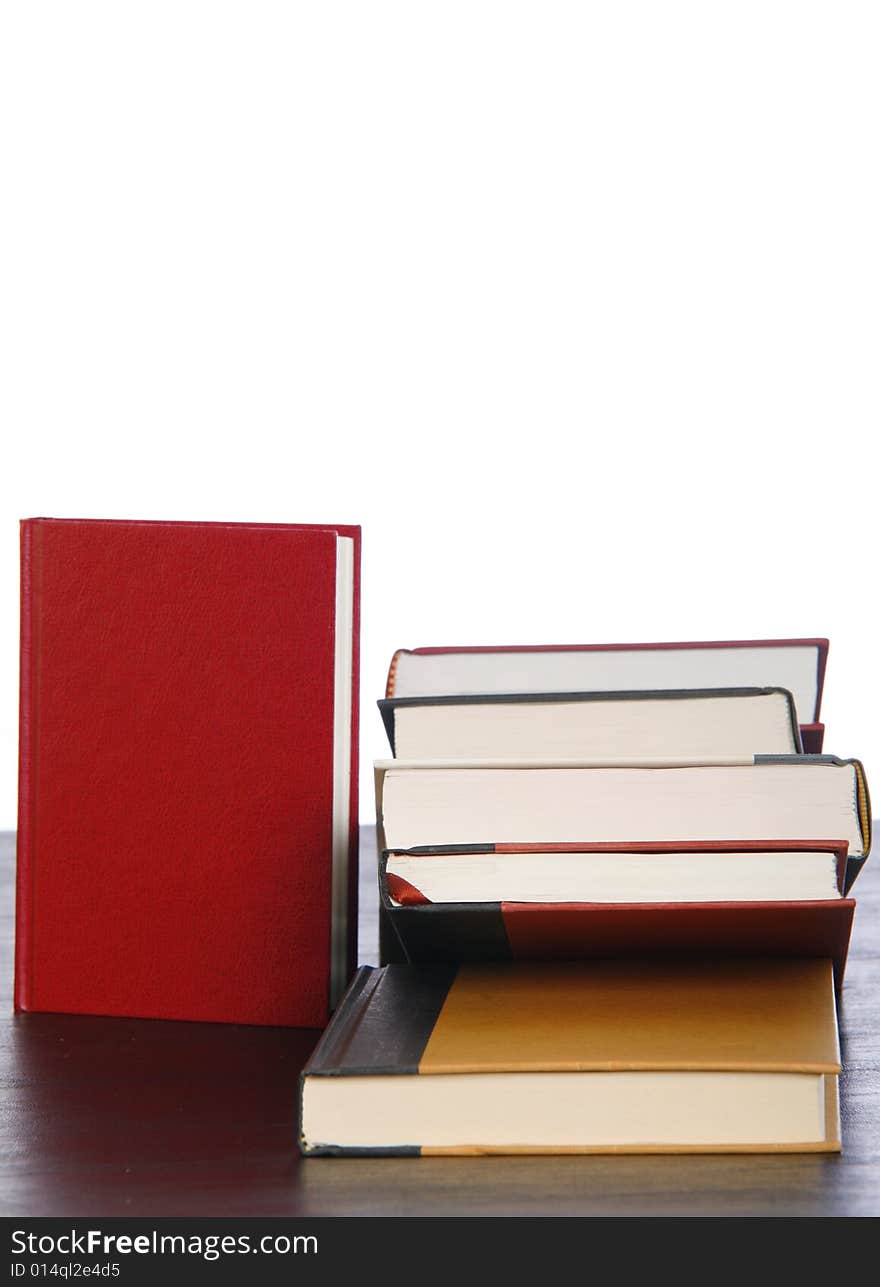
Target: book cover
187	843
605	1056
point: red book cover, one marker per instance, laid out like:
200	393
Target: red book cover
558	932
187	844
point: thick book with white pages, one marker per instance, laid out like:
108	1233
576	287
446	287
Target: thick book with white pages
515	802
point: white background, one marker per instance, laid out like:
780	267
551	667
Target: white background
574	307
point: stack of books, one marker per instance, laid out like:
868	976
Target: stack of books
615	916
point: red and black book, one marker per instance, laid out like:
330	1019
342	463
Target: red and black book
582	901
187	843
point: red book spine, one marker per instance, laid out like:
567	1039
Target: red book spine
27	686
353	819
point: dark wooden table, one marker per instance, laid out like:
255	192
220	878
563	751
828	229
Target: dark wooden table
138	1117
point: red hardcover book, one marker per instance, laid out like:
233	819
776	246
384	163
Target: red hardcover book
187	843
795	664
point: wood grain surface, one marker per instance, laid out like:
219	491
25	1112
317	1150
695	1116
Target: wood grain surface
120	1117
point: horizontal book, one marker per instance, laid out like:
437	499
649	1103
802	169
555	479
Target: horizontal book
605	1056
797	665
767	798
699	873
680	724
187	844
771	899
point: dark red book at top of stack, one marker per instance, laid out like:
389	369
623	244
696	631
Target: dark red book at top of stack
188	769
